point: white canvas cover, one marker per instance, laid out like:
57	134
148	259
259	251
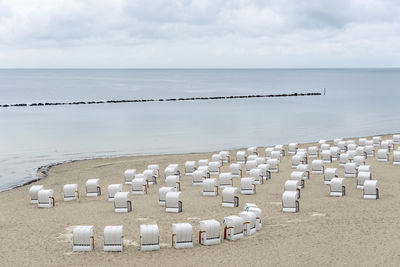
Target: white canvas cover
362	142
33	193
293	185
252	150
292	148
337	187
361	178
149	237
249	225
210	232
383	155
313	152
82	238
257	175
273	165
343	159
190	167
377	140
112	189
266	174
350	170
162	192
225	180
317	166
359	160
369	150
236	170
113	238
229	197
173	181
203	162
290	202
233	227
156	169
250	164
326	156
93	187
71	192
150	176
139	186
225	156
247	186
214	167
210	187
268	152
241	157
198	176
129	175
182	235
122	202
396	157
45	198
371	190
396	139
329	174
304	168
173	202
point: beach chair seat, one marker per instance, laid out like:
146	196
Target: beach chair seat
396	157
298	176
113	238
293	185
149	237
377	140
317	166
359	161
122	202
326	156
383	155
209	233
292	148
82	238
198	177
250	164
173	202
370	151
343	159
273	165
241	157
162	192
396	139
71	192
182	235
214	167
173	181
46	198
210	187
250	221
225	156
252	150
112	189
33	193
155	168
350	170
364	168
225	180
370	189
264	168
335	153
257	175
304	168
139	186
236	170
313	152
337	187
129	175
247	186
216	158
93	188
290	201
203	162
268	152
233	229
362	142
230	198
342	146
190	167
361	178
329	174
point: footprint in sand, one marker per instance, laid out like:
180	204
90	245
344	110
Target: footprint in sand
317	214
67	235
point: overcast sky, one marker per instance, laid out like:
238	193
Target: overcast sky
199	33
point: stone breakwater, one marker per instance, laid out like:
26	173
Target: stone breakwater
154	100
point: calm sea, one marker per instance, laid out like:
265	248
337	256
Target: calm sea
359	102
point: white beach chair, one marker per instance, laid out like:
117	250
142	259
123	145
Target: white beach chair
205	169
162	192
362	142
317	166
236	170
370	189
122	202
351	147
292	148
303	155
326	156
350	170
369	142
71	192
46	199
370	151
313	152
268	152
241	157
342	146
214	167
190	167
216	158
173	202
233	229
33	193
182	235
230	198
250	221
82	238
364	168
386	144
273	165
252	157
321	142
173	181
304	168
383	155
293	185
377	140
257	211
112	189
337	187
260	160
155	168
325	147
336	141
171	171
209	233
149	237
93	188
343	159
298	176
257	175
335	153
290	201
225	180
247	186
225	156
252	150
150	176
250	164
280	148
113	238
359	161
360	151
203	162
396	157
276	155
396	139
198	177
329	174
361	178
210	187
129	175
264	168
139	186
296	160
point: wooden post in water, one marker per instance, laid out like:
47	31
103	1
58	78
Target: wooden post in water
324	91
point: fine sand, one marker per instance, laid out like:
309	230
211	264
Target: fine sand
328	230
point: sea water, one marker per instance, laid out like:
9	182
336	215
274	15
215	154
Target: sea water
358	102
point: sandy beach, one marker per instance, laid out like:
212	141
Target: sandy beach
334	231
